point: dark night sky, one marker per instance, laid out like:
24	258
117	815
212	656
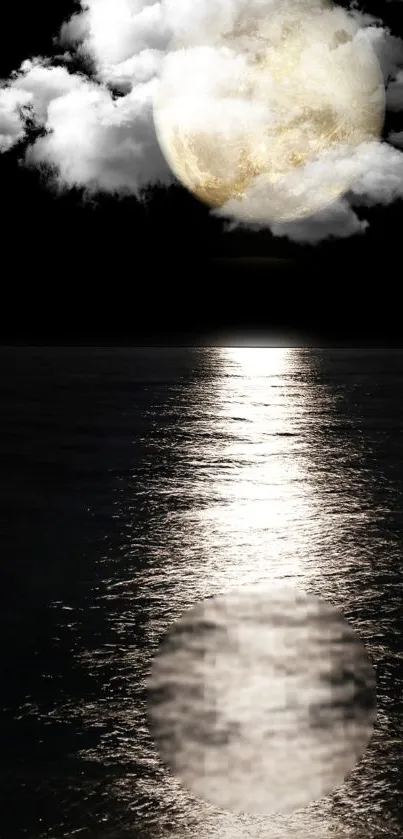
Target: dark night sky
122	272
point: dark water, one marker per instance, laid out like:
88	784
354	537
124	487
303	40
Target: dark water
133	484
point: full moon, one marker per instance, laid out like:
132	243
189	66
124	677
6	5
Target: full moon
263	120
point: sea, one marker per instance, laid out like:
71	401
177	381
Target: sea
139	483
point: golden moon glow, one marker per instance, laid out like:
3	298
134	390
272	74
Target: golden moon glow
263	120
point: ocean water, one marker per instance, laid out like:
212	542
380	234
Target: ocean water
134	484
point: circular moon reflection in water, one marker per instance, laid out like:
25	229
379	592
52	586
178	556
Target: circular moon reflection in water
262	121
261	701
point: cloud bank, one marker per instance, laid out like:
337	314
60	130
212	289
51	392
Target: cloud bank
96	128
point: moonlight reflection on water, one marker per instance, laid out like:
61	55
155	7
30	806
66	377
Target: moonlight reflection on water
262	700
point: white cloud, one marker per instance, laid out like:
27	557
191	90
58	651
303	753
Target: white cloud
43	83
135	70
380	176
396	138
388	50
102	143
374	172
13	105
113	31
337	221
92	140
75	30
394	95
